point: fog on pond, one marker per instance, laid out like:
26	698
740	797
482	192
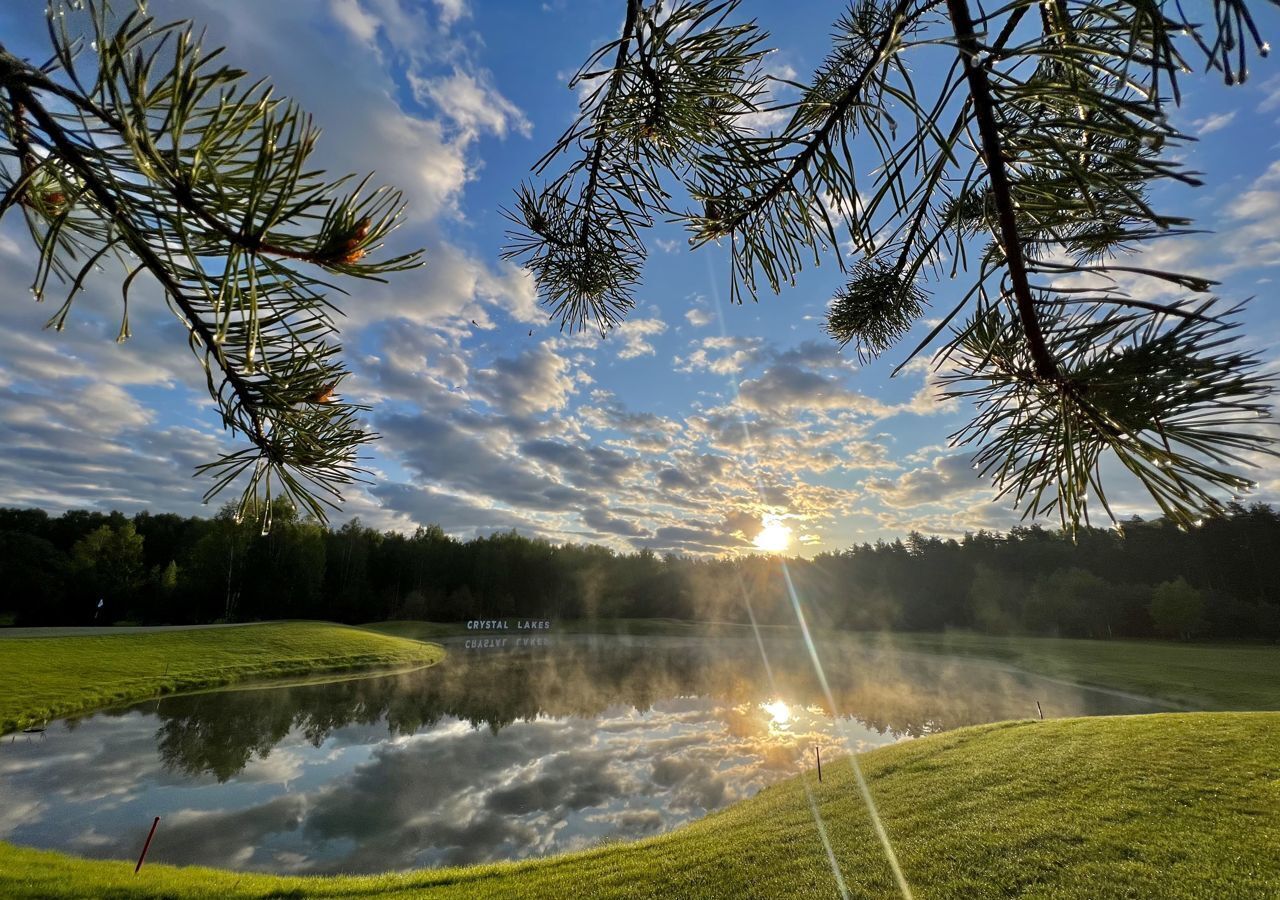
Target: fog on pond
503	751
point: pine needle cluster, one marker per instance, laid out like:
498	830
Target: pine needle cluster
134	147
1029	165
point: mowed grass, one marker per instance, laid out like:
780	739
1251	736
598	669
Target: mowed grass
1172	806
1219	676
46	677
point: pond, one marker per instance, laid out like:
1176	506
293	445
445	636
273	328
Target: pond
509	749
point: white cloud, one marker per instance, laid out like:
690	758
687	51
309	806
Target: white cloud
699	317
452	10
1271	102
472	102
536	381
356	20
635	334
947	477
1213	122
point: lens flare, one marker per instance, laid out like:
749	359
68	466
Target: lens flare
778	711
774	537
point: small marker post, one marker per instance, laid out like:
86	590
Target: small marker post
150	835
817	752
1039	710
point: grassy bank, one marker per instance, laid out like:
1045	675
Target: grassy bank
1222	676
1199	676
1179	805
45	677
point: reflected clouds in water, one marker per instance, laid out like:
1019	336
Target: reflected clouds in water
492	755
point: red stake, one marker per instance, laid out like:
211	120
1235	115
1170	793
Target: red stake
150	835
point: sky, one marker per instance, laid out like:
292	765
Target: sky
689	429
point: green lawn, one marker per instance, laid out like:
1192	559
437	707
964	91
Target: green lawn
1170	806
45	677
1218	676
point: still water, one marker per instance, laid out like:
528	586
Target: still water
502	752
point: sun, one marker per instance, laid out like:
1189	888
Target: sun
774	537
778	711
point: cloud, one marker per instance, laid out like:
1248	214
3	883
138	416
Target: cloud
1213	122
487	422
536	381
787	387
356	20
1271	102
635	334
452	10
723	355
472	103
424	504
947	477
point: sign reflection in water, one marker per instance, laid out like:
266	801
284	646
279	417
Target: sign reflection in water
491	755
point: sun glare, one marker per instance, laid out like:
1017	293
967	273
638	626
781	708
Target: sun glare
774	537
778	711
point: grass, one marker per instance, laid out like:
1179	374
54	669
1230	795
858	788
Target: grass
1220	676
45	677
1172	806
1197	676
418	631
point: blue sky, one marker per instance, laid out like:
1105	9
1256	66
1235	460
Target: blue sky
491	417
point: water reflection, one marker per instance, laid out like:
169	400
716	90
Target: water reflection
502	752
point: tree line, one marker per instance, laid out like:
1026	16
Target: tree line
1217	580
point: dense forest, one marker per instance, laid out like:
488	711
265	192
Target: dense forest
1218	580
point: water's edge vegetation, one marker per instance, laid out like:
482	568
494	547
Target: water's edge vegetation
1169	805
49	677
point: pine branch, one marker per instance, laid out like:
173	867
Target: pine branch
1069	140
994	160
595	158
203	185
155	265
821	136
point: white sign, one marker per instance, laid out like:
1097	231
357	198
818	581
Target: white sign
503	625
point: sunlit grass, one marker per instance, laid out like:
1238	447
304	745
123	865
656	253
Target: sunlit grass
1169	806
46	677
1198	676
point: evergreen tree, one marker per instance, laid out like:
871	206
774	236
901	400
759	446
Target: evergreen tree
134	148
1028	166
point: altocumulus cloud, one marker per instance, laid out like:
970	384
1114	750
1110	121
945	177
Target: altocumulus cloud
674	436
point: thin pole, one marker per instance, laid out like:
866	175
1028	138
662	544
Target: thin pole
1039	710
150	835
817	751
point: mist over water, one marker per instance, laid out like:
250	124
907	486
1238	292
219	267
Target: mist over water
504	751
